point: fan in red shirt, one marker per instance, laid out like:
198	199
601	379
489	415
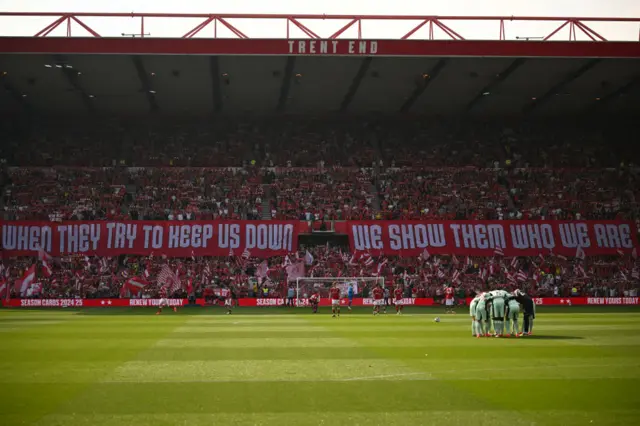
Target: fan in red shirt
314	300
448	299
334	293
378	295
397	294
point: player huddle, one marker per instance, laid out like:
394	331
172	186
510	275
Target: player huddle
501	309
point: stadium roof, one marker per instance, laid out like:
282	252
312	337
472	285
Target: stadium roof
311	75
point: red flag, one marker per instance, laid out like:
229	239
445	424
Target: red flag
425	254
381	265
28	278
295	270
43	255
135	284
4	287
246	254
262	269
46	269
167	277
498	251
580	254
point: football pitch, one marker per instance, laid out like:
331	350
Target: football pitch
274	366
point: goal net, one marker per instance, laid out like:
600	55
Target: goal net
306	286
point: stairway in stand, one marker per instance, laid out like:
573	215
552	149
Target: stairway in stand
266	202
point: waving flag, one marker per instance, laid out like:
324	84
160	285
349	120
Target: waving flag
4	287
308	259
46	269
43	255
483	274
381	265
246	254
425	254
28	278
498	251
262	269
168	278
295	270
580	254
369	261
456	276
104	265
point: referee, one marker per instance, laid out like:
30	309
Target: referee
529	311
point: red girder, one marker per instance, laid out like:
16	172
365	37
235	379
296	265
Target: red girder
223	18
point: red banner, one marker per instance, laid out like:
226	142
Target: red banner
489	238
171	238
91	303
252	302
315	47
581	301
357	301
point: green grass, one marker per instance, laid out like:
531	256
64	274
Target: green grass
286	367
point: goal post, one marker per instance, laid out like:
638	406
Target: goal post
306	286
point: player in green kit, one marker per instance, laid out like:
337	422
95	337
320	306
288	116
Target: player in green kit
513	311
482	316
497	314
472	313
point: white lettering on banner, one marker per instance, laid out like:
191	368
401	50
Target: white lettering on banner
272	237
532	236
190	236
612	301
538	301
21	237
76	238
613	236
324	47
403	237
154	302
229	236
476	235
51	303
366	237
575	235
119	234
269	302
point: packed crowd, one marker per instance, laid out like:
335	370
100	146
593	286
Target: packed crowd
317	169
79	276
